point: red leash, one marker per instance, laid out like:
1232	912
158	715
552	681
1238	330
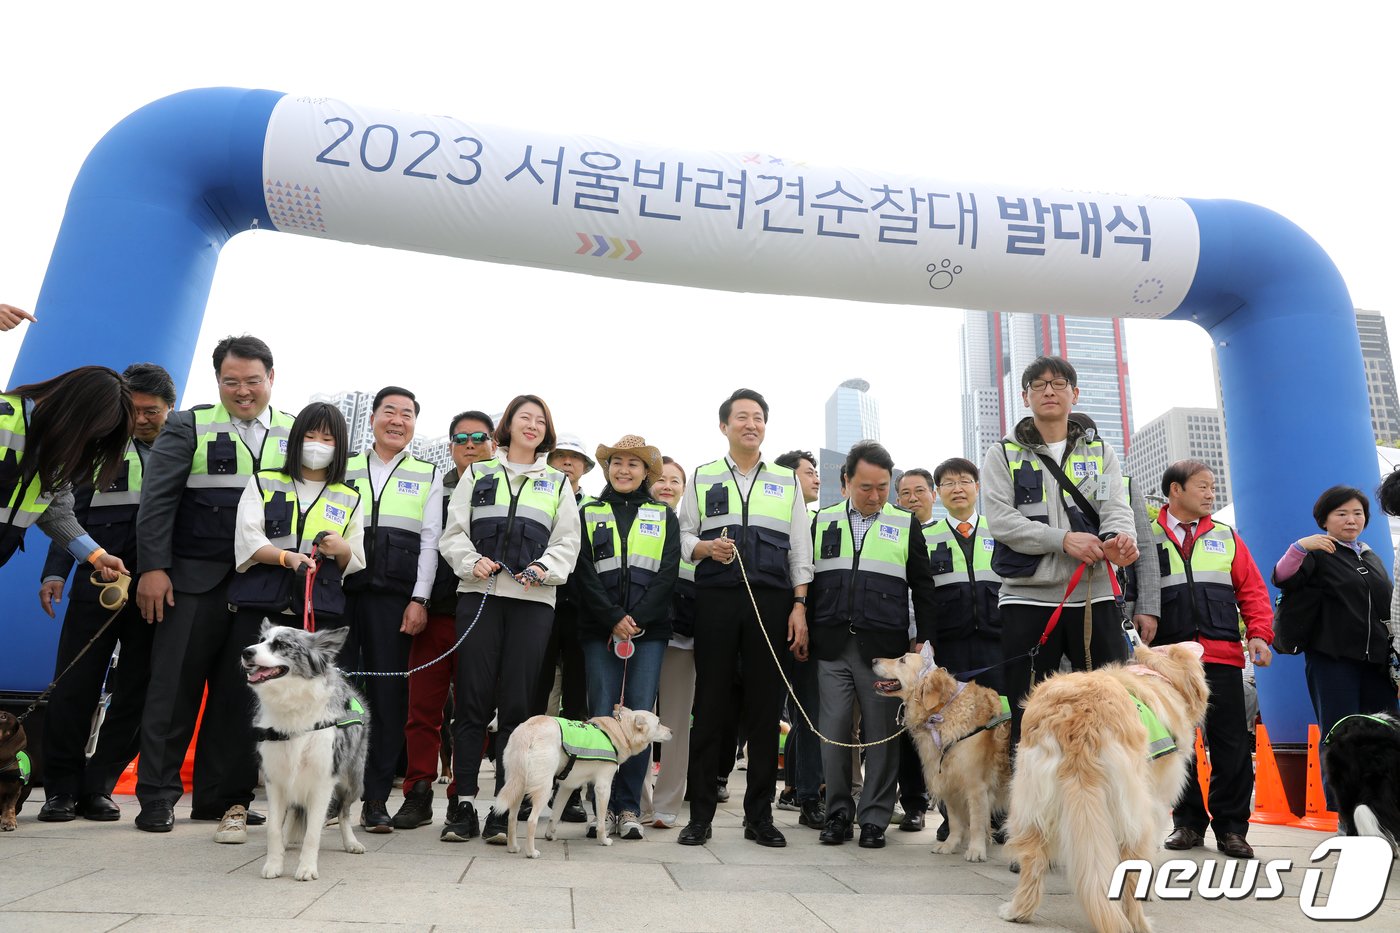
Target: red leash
308	614
1074	582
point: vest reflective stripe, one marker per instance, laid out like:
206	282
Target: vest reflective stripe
215	430
1159	740
1201	601
330	511
125	490
513	528
22	507
646	541
942	532
687	571
402	500
768	509
1078	467
842	588
585	740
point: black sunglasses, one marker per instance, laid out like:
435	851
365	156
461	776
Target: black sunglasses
476	437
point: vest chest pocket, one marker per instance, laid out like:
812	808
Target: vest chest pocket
277	516
9	475
831	542
941	559
603	542
1164	559
716	500
771	552
123	481
1222	613
484	491
1029	484
221	455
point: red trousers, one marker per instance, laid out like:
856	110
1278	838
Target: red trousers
427	695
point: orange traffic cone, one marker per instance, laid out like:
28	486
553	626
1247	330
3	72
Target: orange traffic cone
1202	766
1270	801
126	784
1315	812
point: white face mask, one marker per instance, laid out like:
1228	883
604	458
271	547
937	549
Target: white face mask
316	456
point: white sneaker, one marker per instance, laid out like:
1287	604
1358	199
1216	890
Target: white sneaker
628	826
664	820
233	828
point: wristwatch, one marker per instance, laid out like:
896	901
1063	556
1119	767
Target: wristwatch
421	600
799	600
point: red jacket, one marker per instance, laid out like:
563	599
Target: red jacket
1250	593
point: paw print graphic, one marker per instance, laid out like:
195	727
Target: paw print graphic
943	273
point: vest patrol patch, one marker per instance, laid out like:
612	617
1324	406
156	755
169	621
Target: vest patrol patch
988	544
889	532
1083	468
408	487
543	485
650	529
335	513
773	489
1215	547
282	445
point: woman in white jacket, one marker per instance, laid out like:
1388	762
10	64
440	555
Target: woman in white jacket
512	532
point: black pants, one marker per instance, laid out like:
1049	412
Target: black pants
725	636
498	667
68	722
1021	627
200	642
1340	687
977	650
375	619
565	651
1231	771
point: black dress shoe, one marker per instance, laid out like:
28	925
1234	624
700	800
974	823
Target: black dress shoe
838	830
60	808
156	817
871	836
1183	838
100	808
573	810
523	811
1234	845
913	822
765	834
255	818
813	814
694	834
374	817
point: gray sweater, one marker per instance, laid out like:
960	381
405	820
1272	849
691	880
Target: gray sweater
1009	527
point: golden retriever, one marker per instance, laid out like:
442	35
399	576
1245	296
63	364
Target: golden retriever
965	765
1086	794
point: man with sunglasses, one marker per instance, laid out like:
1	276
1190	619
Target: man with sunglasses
470	434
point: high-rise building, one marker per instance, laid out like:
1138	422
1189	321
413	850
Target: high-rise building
358	409
1380	376
851	415
1180	434
996	349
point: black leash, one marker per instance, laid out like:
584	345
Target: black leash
114	593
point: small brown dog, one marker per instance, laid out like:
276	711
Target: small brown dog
14	774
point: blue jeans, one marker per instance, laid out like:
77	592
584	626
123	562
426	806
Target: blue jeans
604	676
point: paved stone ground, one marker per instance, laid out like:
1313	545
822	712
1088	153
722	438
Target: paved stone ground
83	876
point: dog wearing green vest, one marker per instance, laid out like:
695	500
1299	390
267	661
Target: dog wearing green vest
544	749
962	732
14	771
1103	757
312	730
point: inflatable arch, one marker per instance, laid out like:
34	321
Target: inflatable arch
168	186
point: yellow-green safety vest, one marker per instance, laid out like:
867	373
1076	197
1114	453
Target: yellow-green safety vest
292	528
394	523
22	507
965	594
513	527
865	587
626	567
1030	488
1198	596
761	524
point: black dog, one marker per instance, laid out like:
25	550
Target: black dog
14	771
1362	754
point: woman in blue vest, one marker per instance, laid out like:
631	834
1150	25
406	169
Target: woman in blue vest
53	434
512	534
629	560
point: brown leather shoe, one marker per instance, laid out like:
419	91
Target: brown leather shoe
1233	845
1183	838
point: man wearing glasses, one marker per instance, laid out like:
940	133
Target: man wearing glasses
1053	501
427	689
194	476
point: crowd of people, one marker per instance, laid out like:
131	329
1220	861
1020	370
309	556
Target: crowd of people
701	594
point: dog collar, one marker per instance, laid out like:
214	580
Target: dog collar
1385	722
275	735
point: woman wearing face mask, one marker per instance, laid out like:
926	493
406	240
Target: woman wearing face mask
282	512
628	563
675	694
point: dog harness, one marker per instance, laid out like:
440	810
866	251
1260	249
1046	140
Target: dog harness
583	740
354	709
935	720
1377	719
21	767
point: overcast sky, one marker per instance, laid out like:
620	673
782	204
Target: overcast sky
1287	105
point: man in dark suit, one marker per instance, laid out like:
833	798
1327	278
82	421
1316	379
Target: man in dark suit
195	474
870	562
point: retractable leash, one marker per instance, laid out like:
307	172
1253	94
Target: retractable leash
113	596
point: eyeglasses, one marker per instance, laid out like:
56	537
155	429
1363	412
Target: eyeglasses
1059	385
150	414
233	384
957	484
476	437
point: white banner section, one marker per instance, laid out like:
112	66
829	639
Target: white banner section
750	222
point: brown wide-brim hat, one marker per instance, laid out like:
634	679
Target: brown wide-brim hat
638	447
